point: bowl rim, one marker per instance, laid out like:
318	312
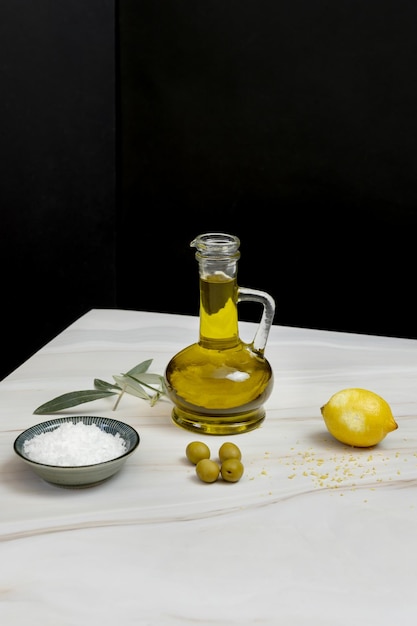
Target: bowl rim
23	436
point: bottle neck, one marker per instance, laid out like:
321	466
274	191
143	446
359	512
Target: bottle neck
217	255
218	311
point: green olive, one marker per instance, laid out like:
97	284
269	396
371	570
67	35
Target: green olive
208	471
232	470
197	450
229	451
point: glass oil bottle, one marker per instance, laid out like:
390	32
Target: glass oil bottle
219	385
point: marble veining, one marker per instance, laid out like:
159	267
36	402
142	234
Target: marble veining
314	533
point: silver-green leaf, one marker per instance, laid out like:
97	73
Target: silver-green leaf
141	368
134	382
132	387
74	398
102	384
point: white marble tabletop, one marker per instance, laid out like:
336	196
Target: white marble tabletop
314	533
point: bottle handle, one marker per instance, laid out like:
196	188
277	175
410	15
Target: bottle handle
253	295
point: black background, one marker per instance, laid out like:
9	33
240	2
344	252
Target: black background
57	177
129	128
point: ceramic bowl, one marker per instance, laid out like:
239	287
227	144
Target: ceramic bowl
82	475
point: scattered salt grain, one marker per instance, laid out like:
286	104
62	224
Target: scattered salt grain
74	444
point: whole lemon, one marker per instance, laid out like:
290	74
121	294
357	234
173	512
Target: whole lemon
358	417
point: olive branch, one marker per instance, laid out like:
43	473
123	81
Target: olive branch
136	382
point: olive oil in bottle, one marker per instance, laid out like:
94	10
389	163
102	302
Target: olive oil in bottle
219	385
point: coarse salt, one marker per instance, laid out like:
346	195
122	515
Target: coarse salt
74	444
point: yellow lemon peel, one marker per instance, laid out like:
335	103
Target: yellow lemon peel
358	417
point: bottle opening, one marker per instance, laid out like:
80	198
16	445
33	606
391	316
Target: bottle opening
216	245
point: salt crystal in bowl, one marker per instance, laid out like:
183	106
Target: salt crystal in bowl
77	452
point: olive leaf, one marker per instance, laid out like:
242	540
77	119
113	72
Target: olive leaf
101	384
141	368
137	382
73	398
131	386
